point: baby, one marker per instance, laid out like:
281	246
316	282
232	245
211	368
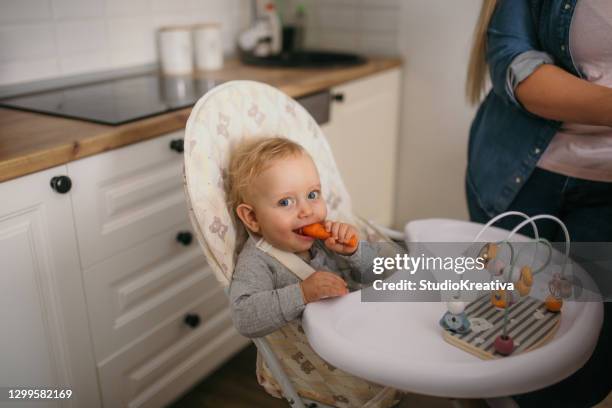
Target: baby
275	190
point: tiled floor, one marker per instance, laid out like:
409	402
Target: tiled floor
234	386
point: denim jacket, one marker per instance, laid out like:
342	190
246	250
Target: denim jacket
506	141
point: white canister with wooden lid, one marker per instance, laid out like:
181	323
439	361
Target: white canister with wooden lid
175	50
208	46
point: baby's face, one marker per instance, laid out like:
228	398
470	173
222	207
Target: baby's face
285	197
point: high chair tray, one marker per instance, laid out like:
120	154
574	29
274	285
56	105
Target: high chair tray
399	344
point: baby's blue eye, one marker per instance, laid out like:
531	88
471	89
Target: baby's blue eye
313	195
284	202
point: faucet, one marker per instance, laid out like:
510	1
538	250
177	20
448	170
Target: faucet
254	12
261	35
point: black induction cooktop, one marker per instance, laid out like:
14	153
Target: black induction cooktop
116	101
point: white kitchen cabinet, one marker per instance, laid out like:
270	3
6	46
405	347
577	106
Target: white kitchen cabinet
138	289
362	132
104	289
45	339
159	319
154	370
125	196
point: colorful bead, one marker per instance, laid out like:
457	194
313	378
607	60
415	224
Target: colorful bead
527	276
455	307
522	288
456	323
499	299
488	253
553	304
504	345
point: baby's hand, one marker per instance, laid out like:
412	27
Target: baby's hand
321	285
341	233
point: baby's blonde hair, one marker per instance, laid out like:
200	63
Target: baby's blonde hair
250	158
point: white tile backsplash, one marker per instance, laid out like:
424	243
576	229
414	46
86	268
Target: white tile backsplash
382	3
127	57
379	43
41	39
129	32
339	40
339	18
29	70
77	8
364	26
167	5
209	4
27	42
116	8
13	11
85	62
129	41
78	37
175	18
345	3
379	19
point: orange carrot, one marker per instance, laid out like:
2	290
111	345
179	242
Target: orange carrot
318	231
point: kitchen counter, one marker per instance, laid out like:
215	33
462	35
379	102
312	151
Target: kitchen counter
30	142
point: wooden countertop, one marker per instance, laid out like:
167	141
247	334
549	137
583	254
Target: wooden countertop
31	142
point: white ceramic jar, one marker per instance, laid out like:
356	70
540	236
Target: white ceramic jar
175	50
208	46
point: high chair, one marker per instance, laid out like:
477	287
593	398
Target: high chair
286	365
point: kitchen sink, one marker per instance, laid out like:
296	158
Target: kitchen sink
307	59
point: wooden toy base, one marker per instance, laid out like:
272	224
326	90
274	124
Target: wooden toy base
530	326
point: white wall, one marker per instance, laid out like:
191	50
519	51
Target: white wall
41	39
435	38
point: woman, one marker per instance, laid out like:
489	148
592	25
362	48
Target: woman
541	141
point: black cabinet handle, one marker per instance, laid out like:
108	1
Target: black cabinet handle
61	184
184	237
339	97
177	145
192	320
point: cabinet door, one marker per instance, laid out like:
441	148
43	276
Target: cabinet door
125	196
363	136
139	288
45	339
157	368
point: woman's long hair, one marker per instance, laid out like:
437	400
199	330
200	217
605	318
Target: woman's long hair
477	68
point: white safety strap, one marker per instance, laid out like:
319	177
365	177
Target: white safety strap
291	261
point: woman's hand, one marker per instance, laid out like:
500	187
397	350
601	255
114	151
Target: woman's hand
341	233
553	93
321	285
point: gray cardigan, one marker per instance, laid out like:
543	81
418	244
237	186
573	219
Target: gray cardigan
265	295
